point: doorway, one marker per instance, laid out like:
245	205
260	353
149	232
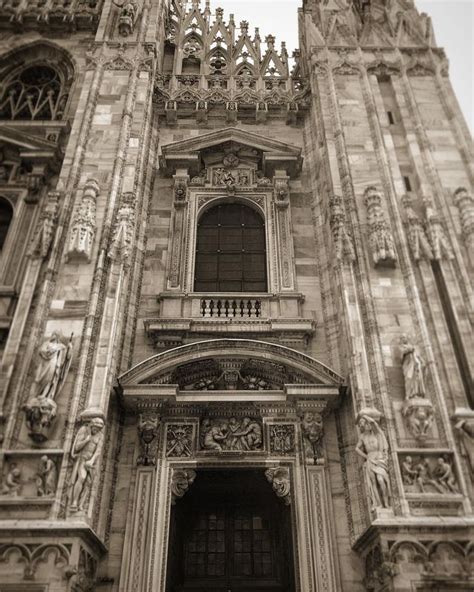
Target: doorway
230	533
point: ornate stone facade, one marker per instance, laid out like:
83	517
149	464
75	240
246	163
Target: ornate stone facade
314	387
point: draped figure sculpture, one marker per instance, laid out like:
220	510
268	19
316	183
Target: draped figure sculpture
412	366
373	448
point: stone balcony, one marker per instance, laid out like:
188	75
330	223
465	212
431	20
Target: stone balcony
185	318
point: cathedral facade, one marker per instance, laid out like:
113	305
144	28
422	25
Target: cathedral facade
236	296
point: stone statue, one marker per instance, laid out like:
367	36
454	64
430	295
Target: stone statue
412	366
373	448
46	477
465	430
313	431
51	372
12	483
280	479
85	452
128	17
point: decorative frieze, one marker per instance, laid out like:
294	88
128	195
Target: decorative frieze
82	235
54	358
428	473
373	448
279	478
231	435
380	235
181	481
342	240
148	432
465	204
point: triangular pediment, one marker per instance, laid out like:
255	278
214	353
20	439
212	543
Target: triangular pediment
187	154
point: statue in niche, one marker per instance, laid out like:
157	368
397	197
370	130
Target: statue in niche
12	483
51	372
231	434
46	477
313	431
412	366
465	429
85	452
373	448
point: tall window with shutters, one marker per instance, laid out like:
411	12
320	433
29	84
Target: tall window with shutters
231	250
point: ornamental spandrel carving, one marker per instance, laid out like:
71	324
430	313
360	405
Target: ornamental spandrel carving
282	438
381	240
148	438
85	455
417	410
279	478
372	446
53	361
428	473
231	435
179	440
82	236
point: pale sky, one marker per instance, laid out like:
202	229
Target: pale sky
453	22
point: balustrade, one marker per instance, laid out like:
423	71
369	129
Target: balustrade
231	307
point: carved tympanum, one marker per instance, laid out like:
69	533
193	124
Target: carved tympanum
233	434
373	448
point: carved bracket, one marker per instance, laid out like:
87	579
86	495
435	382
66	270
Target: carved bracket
148	432
181	481
279	478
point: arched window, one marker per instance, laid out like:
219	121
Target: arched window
230	250
33	93
6	215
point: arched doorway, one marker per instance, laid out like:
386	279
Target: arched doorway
230	532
